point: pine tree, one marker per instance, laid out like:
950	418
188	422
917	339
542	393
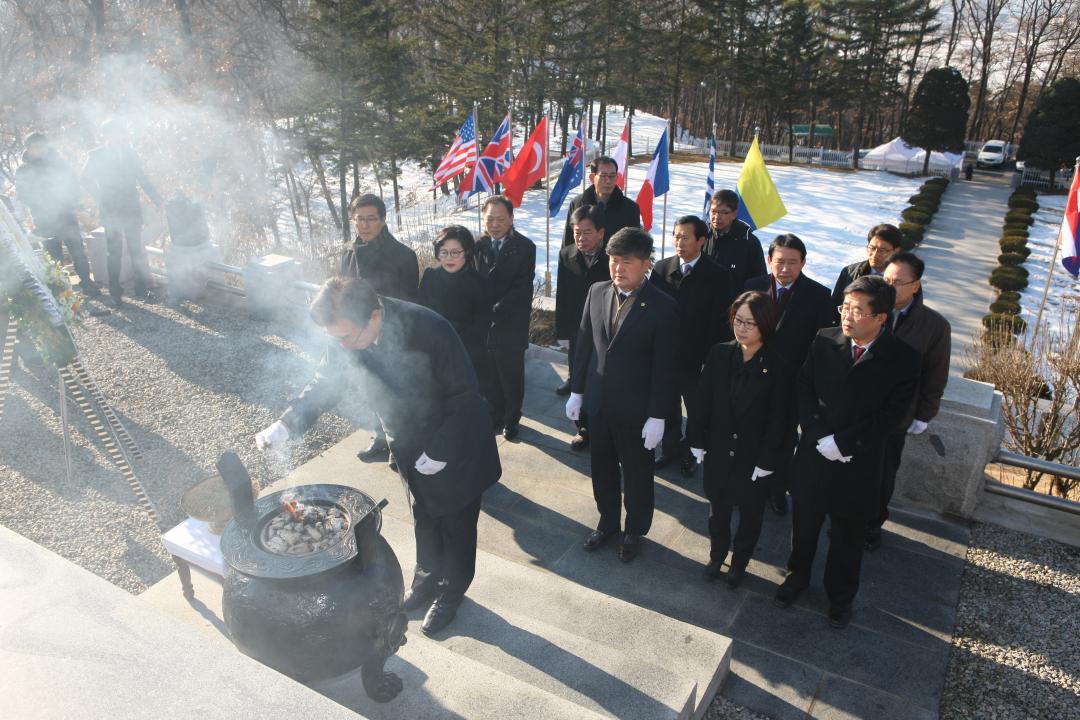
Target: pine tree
939	113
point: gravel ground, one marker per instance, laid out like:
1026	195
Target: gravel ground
1016	646
188	382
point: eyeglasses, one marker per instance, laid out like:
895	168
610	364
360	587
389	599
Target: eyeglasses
855	313
451	253
899	283
366	220
608	176
879	248
745	324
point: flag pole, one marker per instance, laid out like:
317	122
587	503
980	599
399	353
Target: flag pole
476	167
547	213
1050	275
584	153
663	230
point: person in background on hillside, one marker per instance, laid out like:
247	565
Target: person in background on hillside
619	211
581	265
732	243
881	242
390	268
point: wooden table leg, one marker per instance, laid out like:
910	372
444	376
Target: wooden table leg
184	571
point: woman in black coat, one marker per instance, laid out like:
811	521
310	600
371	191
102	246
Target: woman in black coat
742	430
458	292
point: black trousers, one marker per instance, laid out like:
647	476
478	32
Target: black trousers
622	474
894	450
751	517
66	232
673	427
445	550
505	389
582	423
844	560
121	229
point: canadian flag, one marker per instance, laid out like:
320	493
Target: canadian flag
529	167
619	155
657	182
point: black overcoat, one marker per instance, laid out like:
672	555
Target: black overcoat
752	427
387	265
847	276
928	333
703	297
631	376
574	280
619	212
808	308
738	251
860	404
512	278
419	380
463	298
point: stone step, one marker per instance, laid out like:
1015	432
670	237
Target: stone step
76	646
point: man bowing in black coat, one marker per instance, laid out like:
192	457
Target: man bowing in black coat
703	292
854	390
416	374
624	377
508	259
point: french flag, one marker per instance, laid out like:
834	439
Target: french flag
1069	235
657	182
620	154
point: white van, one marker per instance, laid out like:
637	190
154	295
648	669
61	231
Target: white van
992	154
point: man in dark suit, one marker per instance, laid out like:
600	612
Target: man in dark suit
508	259
881	242
619	210
927	332
805	307
854	389
580	266
732	243
415	372
625	378
704	293
389	267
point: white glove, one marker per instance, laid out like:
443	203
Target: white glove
273	436
827	447
426	466
573	406
759	473
699	454
652	433
918	427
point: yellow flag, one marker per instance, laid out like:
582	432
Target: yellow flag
760	202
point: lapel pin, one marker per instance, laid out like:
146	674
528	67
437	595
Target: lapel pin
764	370
642	304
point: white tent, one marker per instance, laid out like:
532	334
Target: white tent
938	161
894	156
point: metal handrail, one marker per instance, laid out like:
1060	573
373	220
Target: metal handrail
1005	457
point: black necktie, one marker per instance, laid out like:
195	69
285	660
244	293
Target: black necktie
622	297
686	268
781	294
497	244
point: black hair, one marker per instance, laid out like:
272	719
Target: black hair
889	233
762	307
344	298
631	242
499	200
910	259
882	295
459	233
788	240
592	213
368	200
729	198
701	229
594	166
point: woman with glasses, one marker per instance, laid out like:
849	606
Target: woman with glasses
458	292
741	430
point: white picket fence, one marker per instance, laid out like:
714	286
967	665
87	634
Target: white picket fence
1041	178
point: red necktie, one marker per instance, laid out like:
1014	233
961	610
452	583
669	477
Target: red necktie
858	352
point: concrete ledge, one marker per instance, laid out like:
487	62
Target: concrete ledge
1029	518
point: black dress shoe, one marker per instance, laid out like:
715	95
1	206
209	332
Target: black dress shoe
735	577
597	538
630	548
839	616
873	540
377	451
563	389
416	599
116	300
580	441
511	431
712	570
439	615
664	459
779	504
786	594
91	290
688	467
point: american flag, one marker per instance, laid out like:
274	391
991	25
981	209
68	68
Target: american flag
493	162
461	155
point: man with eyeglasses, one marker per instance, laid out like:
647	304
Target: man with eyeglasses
580	266
390	268
805	307
412	368
731	242
881	242
508	259
854	390
929	333
619	211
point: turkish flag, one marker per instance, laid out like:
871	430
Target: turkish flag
529	167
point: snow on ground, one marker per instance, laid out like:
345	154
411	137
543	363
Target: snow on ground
1064	294
830	210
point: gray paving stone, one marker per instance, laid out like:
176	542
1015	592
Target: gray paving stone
841	699
771	684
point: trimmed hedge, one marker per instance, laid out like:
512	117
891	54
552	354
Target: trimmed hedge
1011	258
1023	203
1018	248
1019	216
1007	277
1004	321
1000	306
940	181
1017	233
913	234
1009	296
915	215
1013	226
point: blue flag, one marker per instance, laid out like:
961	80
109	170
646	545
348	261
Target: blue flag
571	173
